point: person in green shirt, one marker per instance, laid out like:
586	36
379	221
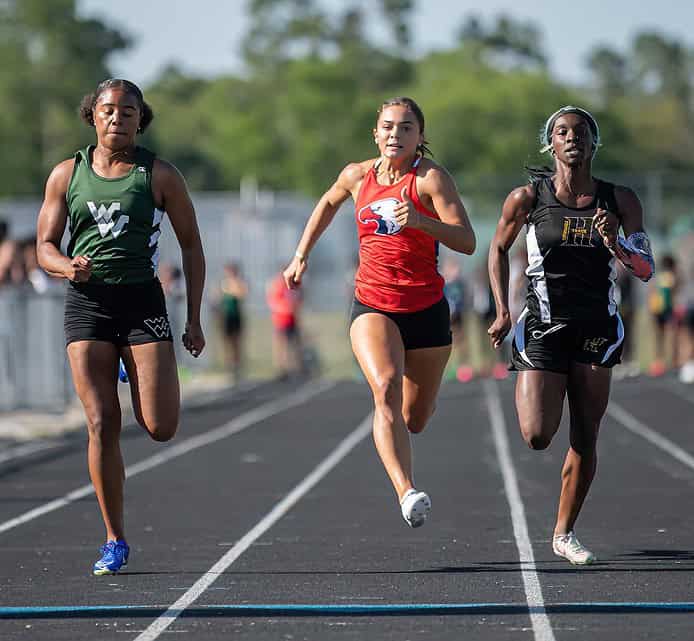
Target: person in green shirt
661	303
232	293
113	196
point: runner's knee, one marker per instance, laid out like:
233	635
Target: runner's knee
387	391
160	422
538	441
417	419
103	427
535	437
161	431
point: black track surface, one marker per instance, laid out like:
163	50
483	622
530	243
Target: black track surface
345	543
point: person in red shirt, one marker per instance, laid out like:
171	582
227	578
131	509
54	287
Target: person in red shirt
405	205
284	313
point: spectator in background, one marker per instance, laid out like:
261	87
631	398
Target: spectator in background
12	270
687	344
174	288
6	252
232	292
624	296
493	362
455	291
40	281
661	303
284	307
171	279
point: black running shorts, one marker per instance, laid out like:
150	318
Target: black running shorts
429	327
131	314
554	346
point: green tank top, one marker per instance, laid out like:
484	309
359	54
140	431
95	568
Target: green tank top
114	221
230	306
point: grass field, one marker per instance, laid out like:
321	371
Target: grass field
327	335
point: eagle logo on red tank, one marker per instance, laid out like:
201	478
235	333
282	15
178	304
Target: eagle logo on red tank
382	214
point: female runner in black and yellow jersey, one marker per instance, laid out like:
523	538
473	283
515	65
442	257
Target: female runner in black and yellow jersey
570	335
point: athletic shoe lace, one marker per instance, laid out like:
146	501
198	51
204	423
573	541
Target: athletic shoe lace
574	545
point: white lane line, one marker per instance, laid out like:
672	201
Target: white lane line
195	401
343	449
25	450
633	424
678	389
190	402
184	447
542	628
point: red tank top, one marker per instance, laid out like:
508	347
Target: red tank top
284	303
397	266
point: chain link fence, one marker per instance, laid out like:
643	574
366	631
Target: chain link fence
259	231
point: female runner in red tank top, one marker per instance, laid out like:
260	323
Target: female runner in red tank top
400	331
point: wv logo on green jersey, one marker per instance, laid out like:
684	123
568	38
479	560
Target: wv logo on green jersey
104	218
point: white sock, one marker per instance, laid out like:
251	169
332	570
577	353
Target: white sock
406	494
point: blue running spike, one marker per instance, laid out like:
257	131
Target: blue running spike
114	555
122	372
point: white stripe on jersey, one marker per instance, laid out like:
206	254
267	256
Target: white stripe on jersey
611	294
620	338
519	337
536	274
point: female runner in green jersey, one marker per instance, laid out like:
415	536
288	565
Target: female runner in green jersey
113	196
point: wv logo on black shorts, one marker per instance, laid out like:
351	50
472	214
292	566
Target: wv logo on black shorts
159	326
577	231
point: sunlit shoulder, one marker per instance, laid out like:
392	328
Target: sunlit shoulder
434	176
353	173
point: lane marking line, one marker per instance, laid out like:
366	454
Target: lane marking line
542	628
234	426
630	422
676	388
231	393
188	402
322	469
19	451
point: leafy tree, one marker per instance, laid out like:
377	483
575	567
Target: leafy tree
282	29
662	66
610	72
509	43
396	13
55	57
648	88
307	101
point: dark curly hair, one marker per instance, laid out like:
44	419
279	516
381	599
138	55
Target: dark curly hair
88	103
403	101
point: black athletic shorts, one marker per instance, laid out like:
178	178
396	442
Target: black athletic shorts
554	346
429	327
233	325
131	314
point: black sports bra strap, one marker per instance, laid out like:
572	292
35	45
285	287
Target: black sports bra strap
606	198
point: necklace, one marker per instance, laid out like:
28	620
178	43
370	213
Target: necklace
390	172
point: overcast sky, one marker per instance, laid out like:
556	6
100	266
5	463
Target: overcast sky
203	36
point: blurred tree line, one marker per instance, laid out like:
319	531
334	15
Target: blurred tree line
313	81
